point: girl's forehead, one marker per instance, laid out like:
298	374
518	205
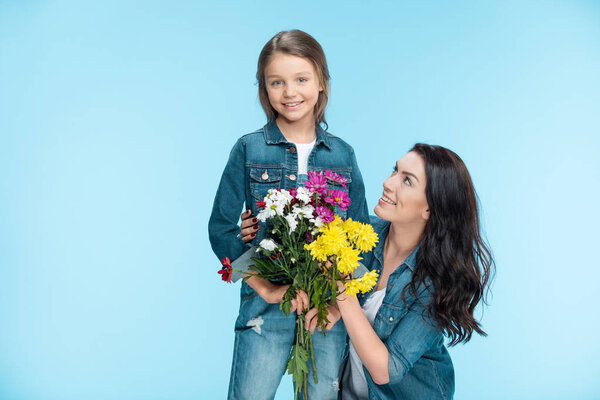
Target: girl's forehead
281	60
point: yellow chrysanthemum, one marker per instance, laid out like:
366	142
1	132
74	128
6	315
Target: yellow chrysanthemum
352	229
347	259
352	287
332	238
317	251
366	238
337	221
368	281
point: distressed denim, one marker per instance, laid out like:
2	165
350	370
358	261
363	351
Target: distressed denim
260	161
419	365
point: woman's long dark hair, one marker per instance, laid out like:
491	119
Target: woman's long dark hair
454	261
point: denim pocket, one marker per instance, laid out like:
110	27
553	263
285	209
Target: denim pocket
387	319
263	179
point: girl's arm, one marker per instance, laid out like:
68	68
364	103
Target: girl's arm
372	351
223	227
358	209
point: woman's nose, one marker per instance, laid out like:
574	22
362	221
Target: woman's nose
387	184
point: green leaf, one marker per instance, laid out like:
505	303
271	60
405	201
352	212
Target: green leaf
297	365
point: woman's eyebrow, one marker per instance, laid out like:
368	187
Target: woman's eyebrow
411	174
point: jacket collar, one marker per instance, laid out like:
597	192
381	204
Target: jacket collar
273	135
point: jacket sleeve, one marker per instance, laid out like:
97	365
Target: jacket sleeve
358	209
223	226
414	335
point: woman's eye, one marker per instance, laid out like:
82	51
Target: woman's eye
407	181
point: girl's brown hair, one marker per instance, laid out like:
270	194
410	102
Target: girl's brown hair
301	44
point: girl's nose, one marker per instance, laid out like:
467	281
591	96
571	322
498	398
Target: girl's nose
289	90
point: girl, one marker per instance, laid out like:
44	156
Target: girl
434	269
293	87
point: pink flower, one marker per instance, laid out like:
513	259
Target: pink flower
293	192
325	213
316	182
338	198
332	176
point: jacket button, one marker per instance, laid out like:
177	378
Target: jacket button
265	176
292	149
391	319
292	177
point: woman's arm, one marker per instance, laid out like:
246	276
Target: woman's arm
372	351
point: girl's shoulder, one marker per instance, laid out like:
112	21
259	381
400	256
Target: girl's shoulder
256	135
337	142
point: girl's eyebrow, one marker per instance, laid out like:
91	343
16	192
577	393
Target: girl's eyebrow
296	74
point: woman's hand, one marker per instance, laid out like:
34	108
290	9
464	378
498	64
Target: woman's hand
249	226
312	317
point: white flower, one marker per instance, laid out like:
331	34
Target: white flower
318	222
303	212
291	220
265	214
303	194
268	244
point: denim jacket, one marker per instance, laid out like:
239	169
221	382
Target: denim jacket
264	160
419	365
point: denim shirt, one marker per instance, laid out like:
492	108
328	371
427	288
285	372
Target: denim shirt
419	365
264	160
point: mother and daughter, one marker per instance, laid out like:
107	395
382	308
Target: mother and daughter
433	264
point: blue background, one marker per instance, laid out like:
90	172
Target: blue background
116	120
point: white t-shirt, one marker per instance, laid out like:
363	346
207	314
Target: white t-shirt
304	150
355	383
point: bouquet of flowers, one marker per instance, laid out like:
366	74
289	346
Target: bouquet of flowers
311	249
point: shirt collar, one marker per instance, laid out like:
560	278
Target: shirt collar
273	135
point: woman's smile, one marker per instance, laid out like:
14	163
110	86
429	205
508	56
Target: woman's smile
386	200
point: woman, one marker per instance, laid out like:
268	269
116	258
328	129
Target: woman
434	269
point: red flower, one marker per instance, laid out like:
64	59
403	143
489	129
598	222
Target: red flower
261	204
226	271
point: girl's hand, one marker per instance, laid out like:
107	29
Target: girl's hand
300	303
273	294
312	317
249	226
269	292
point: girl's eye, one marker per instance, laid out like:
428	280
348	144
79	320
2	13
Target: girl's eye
275	83
302	80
